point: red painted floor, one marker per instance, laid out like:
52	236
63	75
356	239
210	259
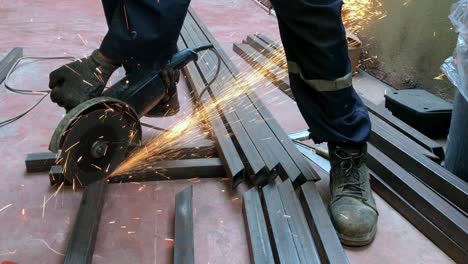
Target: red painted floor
137	221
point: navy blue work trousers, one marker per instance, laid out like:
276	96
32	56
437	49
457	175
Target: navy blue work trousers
314	39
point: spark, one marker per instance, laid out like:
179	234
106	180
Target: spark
72	146
47	245
96	166
167	145
357	14
8	253
79	159
112	222
286	216
77	73
131	232
23	212
126	19
123	227
439	77
88	83
344	216
43	207
169	239
85	42
5	207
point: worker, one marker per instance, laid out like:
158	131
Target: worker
143	34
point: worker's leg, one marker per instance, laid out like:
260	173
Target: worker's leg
314	40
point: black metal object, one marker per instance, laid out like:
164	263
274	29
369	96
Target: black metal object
257	233
255	165
174	170
8	61
328	245
268	142
436	209
257	61
83	237
40	162
56	176
226	149
406	129
418	220
296	218
422	110
183	228
438	178
284	249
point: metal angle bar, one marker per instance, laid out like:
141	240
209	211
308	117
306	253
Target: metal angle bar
257	232
183	228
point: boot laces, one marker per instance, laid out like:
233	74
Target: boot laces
349	168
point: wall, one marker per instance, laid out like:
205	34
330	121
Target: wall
411	43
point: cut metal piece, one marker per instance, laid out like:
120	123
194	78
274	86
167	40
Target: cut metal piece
96	143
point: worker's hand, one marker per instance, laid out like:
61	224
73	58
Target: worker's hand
80	80
170	77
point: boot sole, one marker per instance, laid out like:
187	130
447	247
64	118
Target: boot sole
353	242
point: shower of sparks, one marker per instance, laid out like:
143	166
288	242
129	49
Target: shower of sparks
167	145
357	14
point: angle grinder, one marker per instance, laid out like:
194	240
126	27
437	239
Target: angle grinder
95	136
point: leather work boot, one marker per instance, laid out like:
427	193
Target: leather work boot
352	208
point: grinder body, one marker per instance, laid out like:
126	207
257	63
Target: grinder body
142	90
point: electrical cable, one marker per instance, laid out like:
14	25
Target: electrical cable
45	93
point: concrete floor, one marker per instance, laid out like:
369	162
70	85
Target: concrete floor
137	221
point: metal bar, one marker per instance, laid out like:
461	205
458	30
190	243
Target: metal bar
307	172
418	220
258	62
385	132
175	170
56	176
406	129
183	228
284	249
432	174
226	148
296	218
257	233
256	165
329	246
8	61
40	162
83	238
436	209
287	166
276	56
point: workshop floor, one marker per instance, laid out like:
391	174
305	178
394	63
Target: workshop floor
137	221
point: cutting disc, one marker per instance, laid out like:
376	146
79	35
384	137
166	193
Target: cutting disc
97	142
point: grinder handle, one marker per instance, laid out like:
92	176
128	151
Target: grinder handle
183	57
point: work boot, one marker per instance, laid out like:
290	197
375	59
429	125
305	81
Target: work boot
169	105
352	208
